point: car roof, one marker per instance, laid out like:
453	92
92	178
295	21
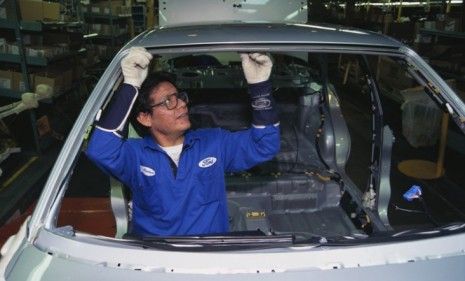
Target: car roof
261	33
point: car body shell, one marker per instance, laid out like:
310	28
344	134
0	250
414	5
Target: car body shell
41	252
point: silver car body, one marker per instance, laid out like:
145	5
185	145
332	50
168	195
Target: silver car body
40	251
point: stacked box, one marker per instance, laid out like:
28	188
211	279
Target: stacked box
59	78
69	40
3	45
6	79
34	10
18	82
54	80
110	8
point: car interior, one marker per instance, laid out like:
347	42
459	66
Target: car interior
310	188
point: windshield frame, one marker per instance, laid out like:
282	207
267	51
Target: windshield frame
45	214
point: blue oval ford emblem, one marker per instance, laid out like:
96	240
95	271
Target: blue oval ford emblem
261	103
147	171
207	162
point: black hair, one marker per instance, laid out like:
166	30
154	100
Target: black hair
143	102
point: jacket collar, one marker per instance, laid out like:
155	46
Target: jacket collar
189	138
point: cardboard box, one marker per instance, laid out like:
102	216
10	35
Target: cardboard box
95	9
37	10
106	29
6	79
31	10
51	11
19	84
125	10
73	40
109	7
44	51
54	80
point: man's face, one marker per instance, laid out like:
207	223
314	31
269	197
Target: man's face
169	123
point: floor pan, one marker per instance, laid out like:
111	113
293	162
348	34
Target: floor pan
326	222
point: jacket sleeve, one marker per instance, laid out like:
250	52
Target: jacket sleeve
263	105
106	148
245	149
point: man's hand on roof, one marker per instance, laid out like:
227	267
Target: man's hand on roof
135	66
257	67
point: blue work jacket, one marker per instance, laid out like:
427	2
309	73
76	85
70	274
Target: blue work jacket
192	200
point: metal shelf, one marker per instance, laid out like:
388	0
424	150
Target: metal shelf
110	37
38	61
442	33
10	93
37	26
110	17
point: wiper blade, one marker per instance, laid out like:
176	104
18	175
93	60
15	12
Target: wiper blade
222	240
215	242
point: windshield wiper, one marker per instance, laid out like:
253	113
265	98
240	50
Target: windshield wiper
222	240
214	242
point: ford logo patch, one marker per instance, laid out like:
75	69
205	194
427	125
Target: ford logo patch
149	172
207	162
261	103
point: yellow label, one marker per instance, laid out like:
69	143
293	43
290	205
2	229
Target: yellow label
256	214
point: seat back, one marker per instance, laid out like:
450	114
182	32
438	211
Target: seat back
119	202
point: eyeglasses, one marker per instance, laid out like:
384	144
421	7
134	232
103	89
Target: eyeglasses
171	101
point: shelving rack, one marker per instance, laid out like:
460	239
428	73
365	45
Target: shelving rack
442	33
18	26
17	191
139	18
113	39
42	63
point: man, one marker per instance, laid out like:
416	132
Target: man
176	175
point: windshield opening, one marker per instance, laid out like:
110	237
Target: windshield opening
333	176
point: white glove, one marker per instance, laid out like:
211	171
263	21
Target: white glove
257	67
135	66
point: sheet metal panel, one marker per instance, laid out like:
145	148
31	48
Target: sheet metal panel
182	12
